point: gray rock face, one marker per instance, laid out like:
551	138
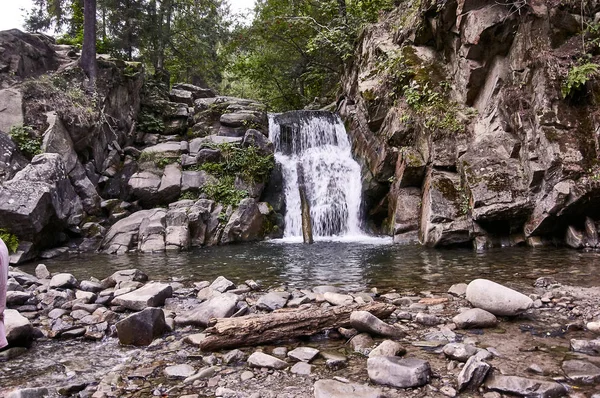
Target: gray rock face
388	348
364	321
475	318
525	387
19	332
472	374
141	328
589	347
262	360
151	295
396	372
11	160
581	371
338	299
222	306
245	224
337	389
272	301
40	392
40	201
497	299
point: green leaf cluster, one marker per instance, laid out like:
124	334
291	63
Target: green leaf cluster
26	140
224	191
577	78
11	241
247	163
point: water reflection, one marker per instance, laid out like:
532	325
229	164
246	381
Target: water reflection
351	265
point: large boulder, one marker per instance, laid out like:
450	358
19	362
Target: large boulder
141	328
497	299
39	202
19	331
221	306
124	234
525	387
150	295
397	372
245	224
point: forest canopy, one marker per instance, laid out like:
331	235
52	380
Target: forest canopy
290	55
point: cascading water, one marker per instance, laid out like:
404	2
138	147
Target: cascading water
316	142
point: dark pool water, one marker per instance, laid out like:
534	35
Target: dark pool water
350	265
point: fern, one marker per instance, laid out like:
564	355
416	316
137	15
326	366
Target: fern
577	78
11	241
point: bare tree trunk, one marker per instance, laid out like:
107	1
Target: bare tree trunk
307	232
259	329
342	9
88	51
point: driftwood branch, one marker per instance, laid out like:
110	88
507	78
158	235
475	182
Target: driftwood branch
264	328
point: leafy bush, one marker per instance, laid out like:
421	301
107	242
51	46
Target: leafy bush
245	162
224	191
149	122
578	77
25	139
11	241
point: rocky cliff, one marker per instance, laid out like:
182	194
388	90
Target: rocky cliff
128	165
476	122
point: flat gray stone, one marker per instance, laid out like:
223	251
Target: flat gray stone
336	389
222	306
338	299
222	284
62	281
589	347
583	372
497	299
262	360
303	354
397	372
301	368
459	289
151	295
525	387
459	351
475	318
272	301
179	371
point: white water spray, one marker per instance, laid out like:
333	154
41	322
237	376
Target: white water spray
318	142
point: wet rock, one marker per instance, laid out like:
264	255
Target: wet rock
525	387
62	281
362	343
388	348
497	299
325	289
222	306
303	354
397	372
334	361
14	298
272	301
141	328
41	272
204	373
364	321
245	224
590	347
459	289
582	372
472	374
427	319
39	392
151	295
280	352
123	276
574	238
301	368
475	318
262	360
73	333
593	327
338	299
222	284
234	356
19	331
337	389
459	352
90	286
179	371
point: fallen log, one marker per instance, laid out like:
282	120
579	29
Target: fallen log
264	328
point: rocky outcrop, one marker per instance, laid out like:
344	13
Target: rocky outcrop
464	129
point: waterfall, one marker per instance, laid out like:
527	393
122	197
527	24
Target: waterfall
317	143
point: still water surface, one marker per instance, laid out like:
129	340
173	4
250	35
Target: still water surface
354	266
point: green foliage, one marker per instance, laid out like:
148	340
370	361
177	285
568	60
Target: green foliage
224	191
577	78
247	163
150	122
25	139
11	241
188	196
158	159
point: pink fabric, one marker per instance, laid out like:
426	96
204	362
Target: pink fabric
3	280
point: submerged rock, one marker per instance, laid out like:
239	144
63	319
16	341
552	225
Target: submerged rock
497	299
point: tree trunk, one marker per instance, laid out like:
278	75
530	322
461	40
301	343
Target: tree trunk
88	51
307	232
259	329
342	9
